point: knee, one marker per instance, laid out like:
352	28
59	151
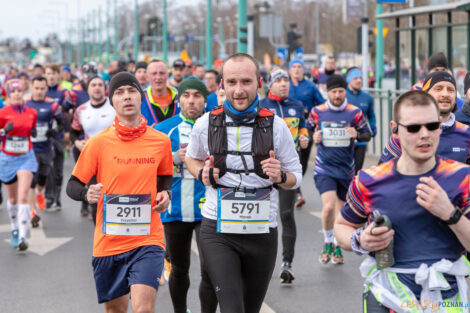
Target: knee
179	271
328	207
144	308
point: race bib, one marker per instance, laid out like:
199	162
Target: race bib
126	215
334	134
15	144
241	212
41	130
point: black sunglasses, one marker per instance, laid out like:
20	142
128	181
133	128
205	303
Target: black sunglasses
414	128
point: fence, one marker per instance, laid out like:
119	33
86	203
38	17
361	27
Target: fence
383	107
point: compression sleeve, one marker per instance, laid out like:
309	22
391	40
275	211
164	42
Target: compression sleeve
164	182
76	189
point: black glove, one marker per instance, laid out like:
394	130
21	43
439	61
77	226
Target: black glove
51	133
8	127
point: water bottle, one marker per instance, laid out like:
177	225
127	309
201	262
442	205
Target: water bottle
383	257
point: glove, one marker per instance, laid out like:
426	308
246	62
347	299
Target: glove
8	127
51	133
374	130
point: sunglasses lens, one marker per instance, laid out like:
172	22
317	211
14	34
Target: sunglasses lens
433	126
413	128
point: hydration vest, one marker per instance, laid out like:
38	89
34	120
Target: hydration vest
262	141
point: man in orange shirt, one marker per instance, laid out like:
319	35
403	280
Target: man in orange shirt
133	166
160	101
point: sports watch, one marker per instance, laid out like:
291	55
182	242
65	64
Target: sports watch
455	217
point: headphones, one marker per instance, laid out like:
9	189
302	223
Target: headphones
395	129
260	83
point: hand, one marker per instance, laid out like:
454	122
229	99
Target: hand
272	168
94	193
373	130
317	136
80	144
352	132
163	201
294	80
303	140
376	239
8	127
433	198
205	172
51	133
182	153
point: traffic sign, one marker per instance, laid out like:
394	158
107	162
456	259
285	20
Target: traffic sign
300	53
281	53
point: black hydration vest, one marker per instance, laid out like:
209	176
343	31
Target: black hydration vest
262	141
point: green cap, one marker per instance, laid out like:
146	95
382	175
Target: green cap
193	83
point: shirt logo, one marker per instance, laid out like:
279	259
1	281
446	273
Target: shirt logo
291	112
458	149
134	161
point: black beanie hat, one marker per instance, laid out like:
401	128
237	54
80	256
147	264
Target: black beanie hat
141	64
123	79
437	60
92	78
466	83
335	81
435	77
193	83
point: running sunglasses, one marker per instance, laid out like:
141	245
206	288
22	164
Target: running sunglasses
414	128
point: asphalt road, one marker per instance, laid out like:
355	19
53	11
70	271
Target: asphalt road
55	274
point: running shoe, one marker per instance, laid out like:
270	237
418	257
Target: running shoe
325	255
300	201
167	270
58	205
49	203
40	201
23	245
35	221
337	256
286	275
14	240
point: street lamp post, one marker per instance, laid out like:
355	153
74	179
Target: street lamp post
165	33
116	33
136	30
108	39
209	34
100	46
242	24
221	37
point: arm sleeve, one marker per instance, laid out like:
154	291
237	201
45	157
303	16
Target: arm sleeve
164	182
284	151
354	210
391	151
76	189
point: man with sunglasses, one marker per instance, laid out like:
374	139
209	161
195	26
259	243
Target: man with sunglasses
426	198
455	141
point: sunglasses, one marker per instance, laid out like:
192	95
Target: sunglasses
414	128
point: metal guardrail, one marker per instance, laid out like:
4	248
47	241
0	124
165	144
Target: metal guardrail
383	107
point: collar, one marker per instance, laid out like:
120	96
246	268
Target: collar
170	90
185	119
272	96
335	108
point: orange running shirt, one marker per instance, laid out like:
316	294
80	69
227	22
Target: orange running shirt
125	168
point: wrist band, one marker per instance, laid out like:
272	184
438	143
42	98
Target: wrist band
199	175
356	244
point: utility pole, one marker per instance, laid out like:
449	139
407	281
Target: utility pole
165	33
365	47
108	39
116	33
136	30
100	41
242	27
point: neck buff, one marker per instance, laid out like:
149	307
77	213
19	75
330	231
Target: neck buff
18	108
335	108
449	123
241	116
329	72
272	96
126	133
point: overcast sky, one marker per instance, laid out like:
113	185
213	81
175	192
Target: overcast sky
37	18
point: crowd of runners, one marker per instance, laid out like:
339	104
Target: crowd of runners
164	152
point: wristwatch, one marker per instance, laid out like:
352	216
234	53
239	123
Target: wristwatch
455	217
283	177
170	195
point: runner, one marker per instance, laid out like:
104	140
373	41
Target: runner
455	142
212	81
54	88
364	101
438	63
307	92
184	215
141	74
133	167
24	78
199	72
177	73
424	196
328	70
336	124
47	111
160	101
17	161
89	119
239	255
463	116
292	112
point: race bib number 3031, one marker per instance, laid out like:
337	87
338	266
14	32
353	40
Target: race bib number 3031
126	215
241	212
334	134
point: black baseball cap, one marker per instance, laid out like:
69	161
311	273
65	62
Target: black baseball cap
179	63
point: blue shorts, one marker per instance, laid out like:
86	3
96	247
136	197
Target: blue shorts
115	274
326	183
11	164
